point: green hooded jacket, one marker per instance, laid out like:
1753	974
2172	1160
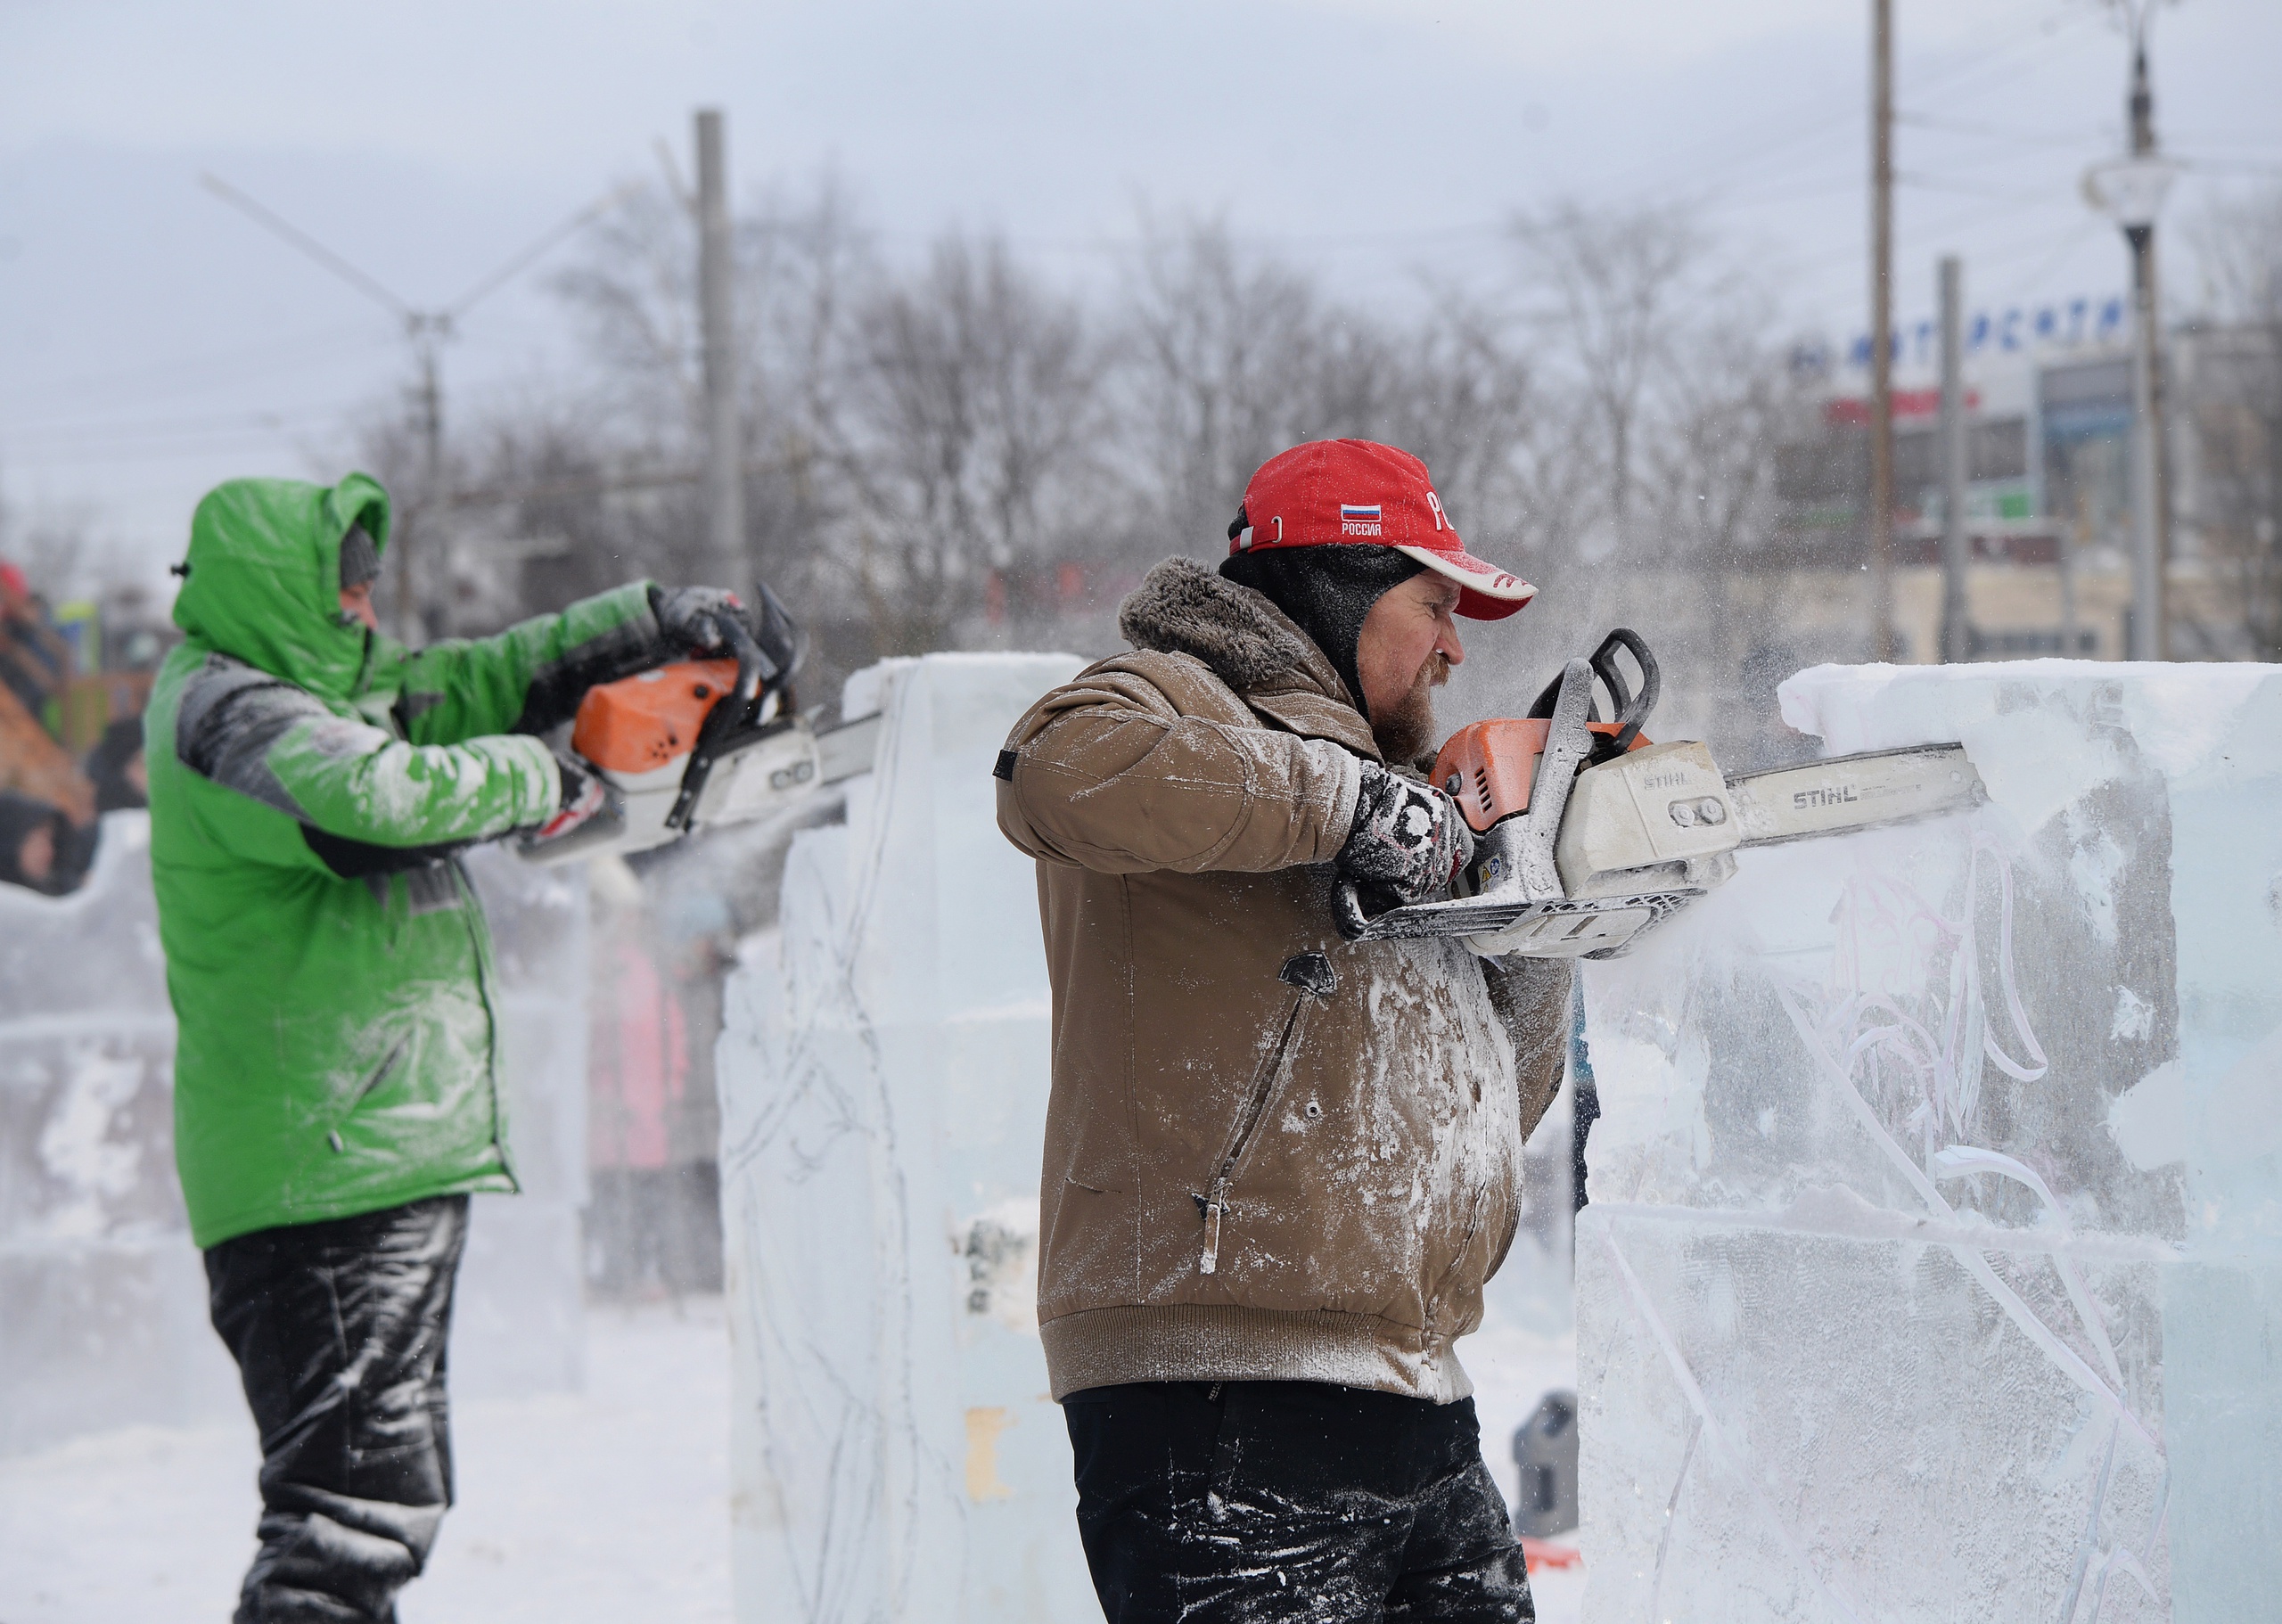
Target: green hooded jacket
311	784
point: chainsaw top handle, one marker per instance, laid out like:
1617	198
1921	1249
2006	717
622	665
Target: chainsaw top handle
754	666
1632	709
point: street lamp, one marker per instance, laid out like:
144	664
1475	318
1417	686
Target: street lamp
2130	190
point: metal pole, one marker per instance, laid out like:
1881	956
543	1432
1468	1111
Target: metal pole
724	506
2147	561
1882	638
2150	511
2071	637
427	527
1955	553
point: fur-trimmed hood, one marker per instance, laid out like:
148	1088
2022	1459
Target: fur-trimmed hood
1242	637
1183	608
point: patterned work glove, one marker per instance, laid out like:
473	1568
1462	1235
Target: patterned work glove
688	615
1406	835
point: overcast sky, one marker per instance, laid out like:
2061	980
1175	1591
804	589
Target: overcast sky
152	342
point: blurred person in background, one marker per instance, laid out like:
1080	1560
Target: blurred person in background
663	938
32	833
34	660
336	1096
637	1070
116	767
47	807
1279	1166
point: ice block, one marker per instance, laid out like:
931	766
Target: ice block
883	1076
1933	1263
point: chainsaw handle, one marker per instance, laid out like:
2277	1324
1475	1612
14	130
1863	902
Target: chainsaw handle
1347	911
1631	708
753	667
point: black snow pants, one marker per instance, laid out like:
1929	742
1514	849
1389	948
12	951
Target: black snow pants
339	1330
1263	1502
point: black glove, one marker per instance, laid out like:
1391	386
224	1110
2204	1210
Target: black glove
1406	835
689	616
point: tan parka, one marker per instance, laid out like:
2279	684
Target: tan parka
1270	1153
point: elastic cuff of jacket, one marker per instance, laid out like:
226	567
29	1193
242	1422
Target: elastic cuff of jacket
1334	760
538	783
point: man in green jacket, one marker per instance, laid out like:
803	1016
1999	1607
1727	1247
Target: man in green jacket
336	1096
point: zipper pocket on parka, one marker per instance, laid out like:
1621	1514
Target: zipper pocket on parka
1311	974
380	1074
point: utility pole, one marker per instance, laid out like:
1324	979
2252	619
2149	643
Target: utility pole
1881	639
428	330
2150	534
1955	553
725	494
2132	189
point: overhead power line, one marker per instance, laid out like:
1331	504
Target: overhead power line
280	227
427	331
2073	141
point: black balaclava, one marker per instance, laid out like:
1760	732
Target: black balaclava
360	560
1327	590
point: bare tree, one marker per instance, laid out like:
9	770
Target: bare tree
1708	469
1229	358
914	430
972	399
1463	401
1602	294
1223	353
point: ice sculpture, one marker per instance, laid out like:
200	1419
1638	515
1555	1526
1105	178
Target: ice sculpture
103	1301
1933	1267
883	1077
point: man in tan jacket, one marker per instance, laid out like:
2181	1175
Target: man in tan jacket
1279	1166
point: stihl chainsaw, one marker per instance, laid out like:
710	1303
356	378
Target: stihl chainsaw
1587	835
699	744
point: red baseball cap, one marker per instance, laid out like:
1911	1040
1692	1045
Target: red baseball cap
1331	492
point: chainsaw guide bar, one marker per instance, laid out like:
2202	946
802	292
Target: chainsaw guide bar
1848	792
1583	928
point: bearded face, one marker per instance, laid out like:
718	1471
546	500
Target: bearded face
1407	733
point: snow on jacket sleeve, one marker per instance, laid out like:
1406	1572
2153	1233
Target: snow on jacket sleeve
283	747
1149	762
527	679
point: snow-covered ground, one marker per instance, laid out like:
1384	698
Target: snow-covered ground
588	1508
608	1505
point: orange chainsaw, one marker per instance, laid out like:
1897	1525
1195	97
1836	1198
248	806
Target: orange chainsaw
1587	835
695	744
